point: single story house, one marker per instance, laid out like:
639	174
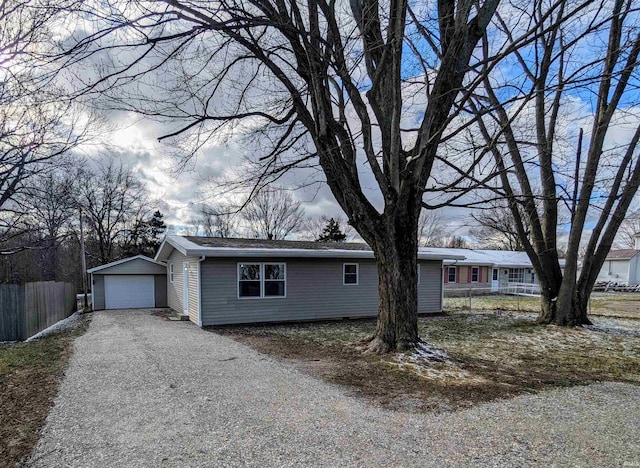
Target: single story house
218	281
135	282
621	266
489	270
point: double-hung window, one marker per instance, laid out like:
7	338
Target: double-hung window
452	274
475	273
171	272
259	280
350	273
274	278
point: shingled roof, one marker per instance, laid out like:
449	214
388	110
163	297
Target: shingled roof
232	247
623	254
238	243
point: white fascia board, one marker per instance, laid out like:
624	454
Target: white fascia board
467	262
124	260
174	242
160	253
300	253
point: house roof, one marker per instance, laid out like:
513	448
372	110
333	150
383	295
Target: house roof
124	260
493	258
623	254
231	247
471	257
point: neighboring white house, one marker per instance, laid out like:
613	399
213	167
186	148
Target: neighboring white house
622	266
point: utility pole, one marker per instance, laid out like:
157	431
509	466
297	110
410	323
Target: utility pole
84	264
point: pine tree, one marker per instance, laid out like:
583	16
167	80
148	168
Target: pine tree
332	232
155	229
144	237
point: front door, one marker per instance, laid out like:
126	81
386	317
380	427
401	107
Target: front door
495	283
185	287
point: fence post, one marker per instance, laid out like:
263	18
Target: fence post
518	296
469	298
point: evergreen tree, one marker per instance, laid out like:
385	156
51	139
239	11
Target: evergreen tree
144	237
155	230
332	232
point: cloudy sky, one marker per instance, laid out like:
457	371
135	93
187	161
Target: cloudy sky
180	190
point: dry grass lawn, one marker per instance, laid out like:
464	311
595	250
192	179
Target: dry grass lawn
469	358
611	304
29	377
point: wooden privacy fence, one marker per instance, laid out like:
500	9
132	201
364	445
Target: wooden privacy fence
26	309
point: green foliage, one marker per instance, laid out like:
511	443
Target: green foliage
144	238
332	232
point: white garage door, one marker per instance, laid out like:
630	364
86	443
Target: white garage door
128	292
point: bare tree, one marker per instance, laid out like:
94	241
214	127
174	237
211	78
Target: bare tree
456	242
630	227
219	220
192	227
37	126
273	214
50	207
431	229
526	124
497	228
323	84
112	200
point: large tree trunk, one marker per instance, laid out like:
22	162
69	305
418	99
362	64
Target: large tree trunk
548	303
564	300
571	309
396	251
397	327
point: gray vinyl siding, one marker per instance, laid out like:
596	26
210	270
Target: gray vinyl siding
314	291
430	287
135	267
175	291
97	292
160	290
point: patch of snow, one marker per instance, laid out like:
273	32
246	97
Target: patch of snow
58	326
425	351
432	363
619	331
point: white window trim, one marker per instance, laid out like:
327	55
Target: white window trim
171	272
455	275
262	280
477	275
357	274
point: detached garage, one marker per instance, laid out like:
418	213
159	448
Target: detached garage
132	283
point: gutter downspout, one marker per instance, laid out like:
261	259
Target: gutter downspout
200	260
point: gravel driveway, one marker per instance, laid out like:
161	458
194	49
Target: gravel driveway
142	391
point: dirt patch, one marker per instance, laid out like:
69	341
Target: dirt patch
163	313
365	375
30	374
473	358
